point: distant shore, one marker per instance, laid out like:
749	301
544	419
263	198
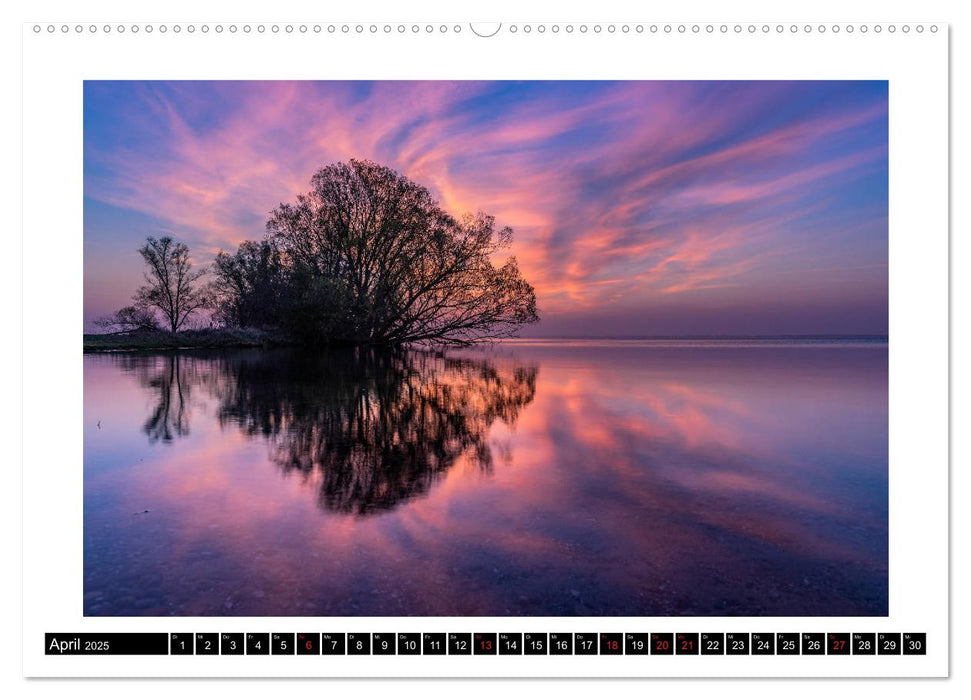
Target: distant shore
192	339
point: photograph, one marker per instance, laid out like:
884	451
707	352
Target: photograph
500	349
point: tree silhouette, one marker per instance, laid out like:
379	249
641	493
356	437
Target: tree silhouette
128	319
368	256
170	282
250	286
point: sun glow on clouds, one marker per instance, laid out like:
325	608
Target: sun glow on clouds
624	197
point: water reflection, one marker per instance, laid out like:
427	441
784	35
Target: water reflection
540	479
167	381
368	428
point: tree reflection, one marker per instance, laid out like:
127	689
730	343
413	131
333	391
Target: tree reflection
369	429
166	378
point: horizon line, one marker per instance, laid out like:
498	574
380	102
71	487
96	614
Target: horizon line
762	336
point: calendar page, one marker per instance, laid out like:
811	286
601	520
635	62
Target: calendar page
441	348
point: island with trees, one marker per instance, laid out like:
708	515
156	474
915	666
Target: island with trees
366	257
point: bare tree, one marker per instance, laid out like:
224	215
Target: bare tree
128	319
170	282
373	258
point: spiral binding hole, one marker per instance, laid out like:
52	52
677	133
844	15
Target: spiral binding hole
586	29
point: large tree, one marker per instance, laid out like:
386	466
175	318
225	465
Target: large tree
171	285
372	257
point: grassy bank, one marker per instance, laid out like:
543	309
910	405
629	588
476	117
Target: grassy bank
164	340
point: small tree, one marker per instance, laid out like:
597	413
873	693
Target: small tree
128	319
170	282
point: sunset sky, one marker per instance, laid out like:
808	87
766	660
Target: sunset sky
639	208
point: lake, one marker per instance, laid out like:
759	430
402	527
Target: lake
543	478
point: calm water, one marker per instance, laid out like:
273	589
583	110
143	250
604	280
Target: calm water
536	478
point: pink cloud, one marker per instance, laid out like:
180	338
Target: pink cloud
620	193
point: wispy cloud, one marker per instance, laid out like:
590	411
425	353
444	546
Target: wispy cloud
619	193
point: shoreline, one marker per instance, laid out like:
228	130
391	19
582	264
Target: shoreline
212	338
242	338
